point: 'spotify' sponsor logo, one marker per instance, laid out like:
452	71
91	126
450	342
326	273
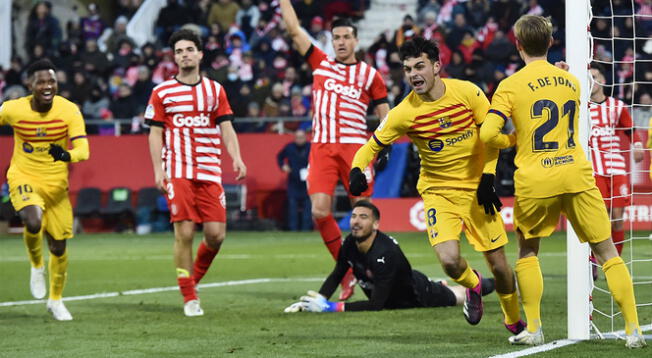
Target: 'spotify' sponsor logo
436	145
464	136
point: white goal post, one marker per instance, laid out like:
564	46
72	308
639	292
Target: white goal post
578	56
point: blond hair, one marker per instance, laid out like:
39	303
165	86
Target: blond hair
534	34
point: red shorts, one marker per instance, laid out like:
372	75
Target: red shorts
196	200
615	190
329	162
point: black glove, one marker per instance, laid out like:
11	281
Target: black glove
382	159
357	182
487	195
58	153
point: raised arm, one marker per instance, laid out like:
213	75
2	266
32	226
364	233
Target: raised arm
299	37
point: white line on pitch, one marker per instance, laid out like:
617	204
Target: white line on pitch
561	343
163	289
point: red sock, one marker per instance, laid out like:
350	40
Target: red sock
205	255
187	288
618	237
330	233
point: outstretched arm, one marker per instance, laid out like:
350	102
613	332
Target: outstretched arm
299	37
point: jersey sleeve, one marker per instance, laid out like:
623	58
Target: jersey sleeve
390	129
314	56
501	103
223	111
378	90
494	120
155	112
76	126
479	103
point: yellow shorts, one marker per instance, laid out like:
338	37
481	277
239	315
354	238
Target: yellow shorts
52	198
538	217
447	209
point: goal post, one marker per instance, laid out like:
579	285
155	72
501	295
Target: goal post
578	282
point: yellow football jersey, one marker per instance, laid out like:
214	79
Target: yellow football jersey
445	132
543	102
34	132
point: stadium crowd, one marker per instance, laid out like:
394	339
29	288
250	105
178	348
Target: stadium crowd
246	49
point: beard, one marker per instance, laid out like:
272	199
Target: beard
362	238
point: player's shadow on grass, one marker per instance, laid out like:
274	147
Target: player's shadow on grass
141	306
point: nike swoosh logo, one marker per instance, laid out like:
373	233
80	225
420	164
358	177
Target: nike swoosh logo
496	239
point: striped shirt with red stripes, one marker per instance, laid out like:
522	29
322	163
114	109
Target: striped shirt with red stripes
609	120
341	95
190	115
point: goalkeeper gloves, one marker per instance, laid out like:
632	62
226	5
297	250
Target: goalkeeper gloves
487	195
357	182
58	153
314	302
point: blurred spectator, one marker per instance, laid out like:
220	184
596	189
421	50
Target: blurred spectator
126	8
96	102
43	29
407	31
112	38
642	113
150	59
199	11
13	74
69	58
430	7
223	12
13	92
92	25
81	87
477	12
93	59
293	160
271	107
307	10
63	84
500	48
123	107
142	88
170	19
166	68
247	17
456	68
534	8
468	46
457	32
122	57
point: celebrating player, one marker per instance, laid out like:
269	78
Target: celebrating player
442	117
609	117
553	175
38	176
192	116
383	272
342	90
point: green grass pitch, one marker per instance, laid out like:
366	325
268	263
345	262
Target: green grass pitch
246	320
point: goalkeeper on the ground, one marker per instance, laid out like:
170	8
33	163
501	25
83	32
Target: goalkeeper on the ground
383	272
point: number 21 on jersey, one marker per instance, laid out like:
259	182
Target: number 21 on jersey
538	111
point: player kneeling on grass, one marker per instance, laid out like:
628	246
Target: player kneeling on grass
383	272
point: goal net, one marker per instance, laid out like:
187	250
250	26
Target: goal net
620	43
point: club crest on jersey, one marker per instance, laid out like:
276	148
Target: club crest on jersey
436	145
444	122
27	148
41	132
180	120
348	91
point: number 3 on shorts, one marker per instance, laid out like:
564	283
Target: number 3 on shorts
432	220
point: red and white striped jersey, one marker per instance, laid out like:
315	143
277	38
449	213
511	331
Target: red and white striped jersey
190	116
608	119
341	95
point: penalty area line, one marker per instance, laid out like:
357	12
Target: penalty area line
163	289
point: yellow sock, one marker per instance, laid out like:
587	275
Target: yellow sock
34	243
182	272
58	266
621	287
530	283
509	304
468	278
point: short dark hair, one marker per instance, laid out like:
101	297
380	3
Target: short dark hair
367	204
417	46
40	65
188	35
599	67
344	22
